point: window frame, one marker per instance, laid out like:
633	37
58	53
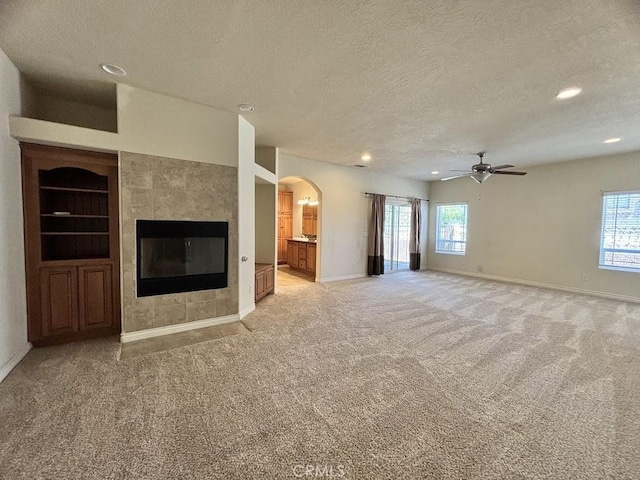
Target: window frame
601	248
466	223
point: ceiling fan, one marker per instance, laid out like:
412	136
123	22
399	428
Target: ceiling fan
481	171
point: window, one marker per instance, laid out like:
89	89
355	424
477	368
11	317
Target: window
397	229
451	228
620	236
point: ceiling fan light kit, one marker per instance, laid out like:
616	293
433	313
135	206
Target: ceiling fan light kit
480	177
481	171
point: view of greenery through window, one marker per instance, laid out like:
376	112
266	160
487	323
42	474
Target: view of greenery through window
397	229
451	228
620	239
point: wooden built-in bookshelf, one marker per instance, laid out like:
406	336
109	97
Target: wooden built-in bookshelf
72	243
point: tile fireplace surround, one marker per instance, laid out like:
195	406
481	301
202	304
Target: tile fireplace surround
157	188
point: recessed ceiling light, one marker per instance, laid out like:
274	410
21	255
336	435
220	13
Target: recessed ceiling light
246	108
435	172
612	140
366	157
568	93
113	69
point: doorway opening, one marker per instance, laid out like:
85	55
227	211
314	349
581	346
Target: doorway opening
397	231
298	230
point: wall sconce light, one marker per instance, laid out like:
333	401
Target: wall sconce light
308	201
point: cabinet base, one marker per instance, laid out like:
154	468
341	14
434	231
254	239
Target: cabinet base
74	337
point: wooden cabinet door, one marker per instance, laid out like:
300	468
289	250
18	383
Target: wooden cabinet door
59	300
289	253
268	273
292	254
280	202
287	221
95	288
285	203
281	226
287	208
302	256
282	250
260	284
284	232
311	258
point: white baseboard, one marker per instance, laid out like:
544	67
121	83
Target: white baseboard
530	283
246	311
181	327
13	361
342	277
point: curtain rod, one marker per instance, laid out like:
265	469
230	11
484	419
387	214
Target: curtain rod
396	196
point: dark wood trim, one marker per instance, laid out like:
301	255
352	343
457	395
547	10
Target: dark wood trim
85	335
64	154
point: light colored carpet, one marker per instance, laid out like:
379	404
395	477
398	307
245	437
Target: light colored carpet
412	375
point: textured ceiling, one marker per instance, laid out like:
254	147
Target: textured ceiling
420	85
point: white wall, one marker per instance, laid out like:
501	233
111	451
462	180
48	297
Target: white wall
543	227
156	124
265	223
246	216
344	212
13	310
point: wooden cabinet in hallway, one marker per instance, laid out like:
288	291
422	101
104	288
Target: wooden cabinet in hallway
285	223
264	280
301	256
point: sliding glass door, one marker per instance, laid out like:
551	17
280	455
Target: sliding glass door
397	228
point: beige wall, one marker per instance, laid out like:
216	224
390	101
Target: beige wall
267	157
73	113
157	124
344	210
265	224
543	227
148	123
169	189
13	310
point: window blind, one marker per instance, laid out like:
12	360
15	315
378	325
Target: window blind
620	235
451	228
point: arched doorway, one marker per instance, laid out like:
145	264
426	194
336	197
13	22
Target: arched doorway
299	231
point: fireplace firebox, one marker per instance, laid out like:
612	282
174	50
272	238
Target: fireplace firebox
181	256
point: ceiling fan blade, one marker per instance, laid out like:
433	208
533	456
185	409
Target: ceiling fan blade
500	167
458	170
455	176
501	172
